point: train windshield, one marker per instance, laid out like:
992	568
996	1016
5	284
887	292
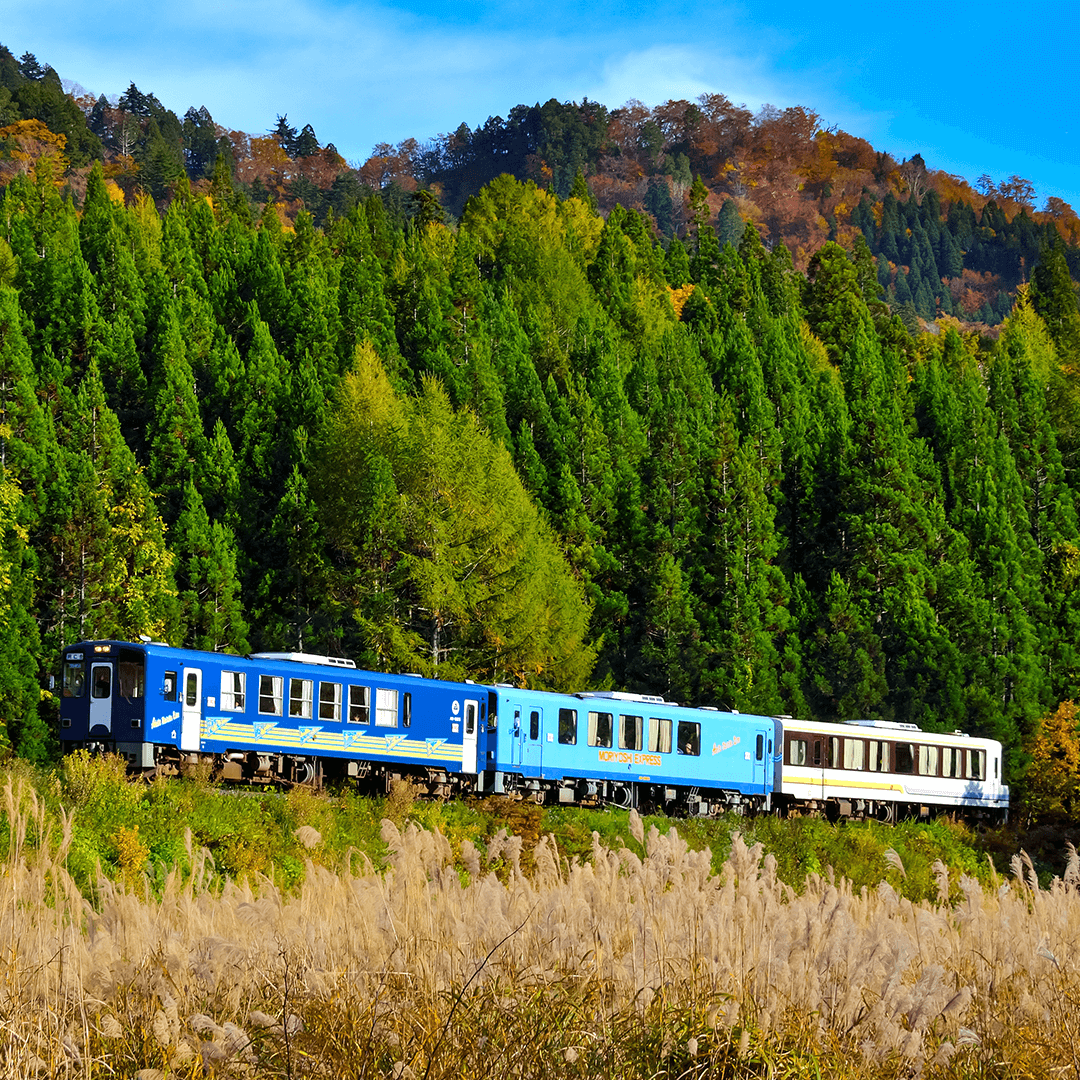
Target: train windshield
74	679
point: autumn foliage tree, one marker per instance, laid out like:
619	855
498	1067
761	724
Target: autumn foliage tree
1052	781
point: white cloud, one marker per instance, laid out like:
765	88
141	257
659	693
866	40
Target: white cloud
669	72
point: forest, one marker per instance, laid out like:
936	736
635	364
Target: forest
521	424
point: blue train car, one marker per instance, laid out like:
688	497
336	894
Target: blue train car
271	717
295	718
630	750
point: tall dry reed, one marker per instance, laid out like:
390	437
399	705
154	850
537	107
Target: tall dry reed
626	964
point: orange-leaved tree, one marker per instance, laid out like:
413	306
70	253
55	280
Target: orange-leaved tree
1052	779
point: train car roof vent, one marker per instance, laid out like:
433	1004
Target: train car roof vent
622	695
304	658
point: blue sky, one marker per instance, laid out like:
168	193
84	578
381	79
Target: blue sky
974	87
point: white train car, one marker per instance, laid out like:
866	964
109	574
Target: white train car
888	771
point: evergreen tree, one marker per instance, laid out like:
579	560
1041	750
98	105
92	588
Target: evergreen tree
110	573
729	224
1053	295
207	580
22	728
175	436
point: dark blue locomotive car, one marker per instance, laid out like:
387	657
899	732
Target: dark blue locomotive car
274	717
294	718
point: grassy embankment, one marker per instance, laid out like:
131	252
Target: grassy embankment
318	936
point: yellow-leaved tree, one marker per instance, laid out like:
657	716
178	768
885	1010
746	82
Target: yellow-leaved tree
1052	779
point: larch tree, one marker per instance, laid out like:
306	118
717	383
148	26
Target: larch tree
483	589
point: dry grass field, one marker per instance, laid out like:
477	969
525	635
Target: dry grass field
639	962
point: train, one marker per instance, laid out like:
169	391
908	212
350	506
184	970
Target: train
296	718
887	770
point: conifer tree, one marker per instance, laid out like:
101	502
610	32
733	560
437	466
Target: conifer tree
176	441
486	588
22	728
364	312
110	573
207	580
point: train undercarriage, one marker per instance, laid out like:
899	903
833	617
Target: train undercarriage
647	798
284	770
888	812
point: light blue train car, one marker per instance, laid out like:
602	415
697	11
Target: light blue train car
270	717
629	750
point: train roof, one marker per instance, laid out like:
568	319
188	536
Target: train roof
882	729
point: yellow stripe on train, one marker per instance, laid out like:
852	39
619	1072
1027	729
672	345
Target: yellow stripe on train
312	738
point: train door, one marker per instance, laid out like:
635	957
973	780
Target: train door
760	760
468	736
526	741
192	709
532	749
817	759
101	699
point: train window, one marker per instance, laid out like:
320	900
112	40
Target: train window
270	688
359	705
168	688
834	752
951	761
406	709
879	755
600	725
101	681
905	757
470	717
797	751
760	749
659	735
233	686
191	689
854	753
534	725
928	761
131	674
689	738
817	752
629	732
976	764
386	707
300	698
568	726
73	679
330	701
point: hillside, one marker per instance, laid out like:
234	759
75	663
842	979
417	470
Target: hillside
799	181
531	441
